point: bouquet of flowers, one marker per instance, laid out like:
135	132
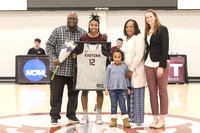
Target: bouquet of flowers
66	49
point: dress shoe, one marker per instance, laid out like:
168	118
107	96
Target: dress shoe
54	121
159	124
73	119
153	124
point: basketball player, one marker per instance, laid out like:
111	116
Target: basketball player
93	35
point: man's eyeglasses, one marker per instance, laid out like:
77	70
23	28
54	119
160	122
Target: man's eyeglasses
72	19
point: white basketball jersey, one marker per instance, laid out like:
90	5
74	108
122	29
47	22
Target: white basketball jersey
91	68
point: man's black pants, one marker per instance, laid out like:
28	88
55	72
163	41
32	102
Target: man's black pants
56	94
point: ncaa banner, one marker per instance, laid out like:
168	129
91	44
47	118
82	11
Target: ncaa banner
32	69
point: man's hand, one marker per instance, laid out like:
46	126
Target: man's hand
73	55
56	62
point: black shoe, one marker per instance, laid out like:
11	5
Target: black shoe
73	119
54	121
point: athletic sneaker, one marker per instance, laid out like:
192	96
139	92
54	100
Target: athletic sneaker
98	119
85	119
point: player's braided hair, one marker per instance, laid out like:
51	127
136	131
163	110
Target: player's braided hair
95	18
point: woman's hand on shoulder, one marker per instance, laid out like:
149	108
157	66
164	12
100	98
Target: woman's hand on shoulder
104	36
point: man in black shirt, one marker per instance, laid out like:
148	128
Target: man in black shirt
36	49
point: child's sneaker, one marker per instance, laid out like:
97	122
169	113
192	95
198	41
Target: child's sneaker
85	119
98	119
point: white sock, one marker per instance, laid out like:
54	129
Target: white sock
99	112
85	112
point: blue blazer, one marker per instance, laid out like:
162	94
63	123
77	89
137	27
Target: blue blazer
159	47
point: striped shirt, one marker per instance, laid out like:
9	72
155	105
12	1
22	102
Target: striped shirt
54	44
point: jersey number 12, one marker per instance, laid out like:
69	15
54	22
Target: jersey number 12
92	62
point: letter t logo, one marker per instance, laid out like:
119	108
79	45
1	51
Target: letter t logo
176	66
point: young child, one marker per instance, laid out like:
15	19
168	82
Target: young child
116	85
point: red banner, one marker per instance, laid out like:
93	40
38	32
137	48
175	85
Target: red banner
177	69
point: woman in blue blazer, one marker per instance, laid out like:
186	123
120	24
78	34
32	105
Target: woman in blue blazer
157	66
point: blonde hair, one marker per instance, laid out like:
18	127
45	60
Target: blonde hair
156	25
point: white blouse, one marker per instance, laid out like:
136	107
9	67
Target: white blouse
148	61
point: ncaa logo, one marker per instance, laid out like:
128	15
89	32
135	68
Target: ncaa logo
34	70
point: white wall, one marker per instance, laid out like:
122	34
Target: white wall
18	29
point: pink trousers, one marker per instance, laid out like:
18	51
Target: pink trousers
158	86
